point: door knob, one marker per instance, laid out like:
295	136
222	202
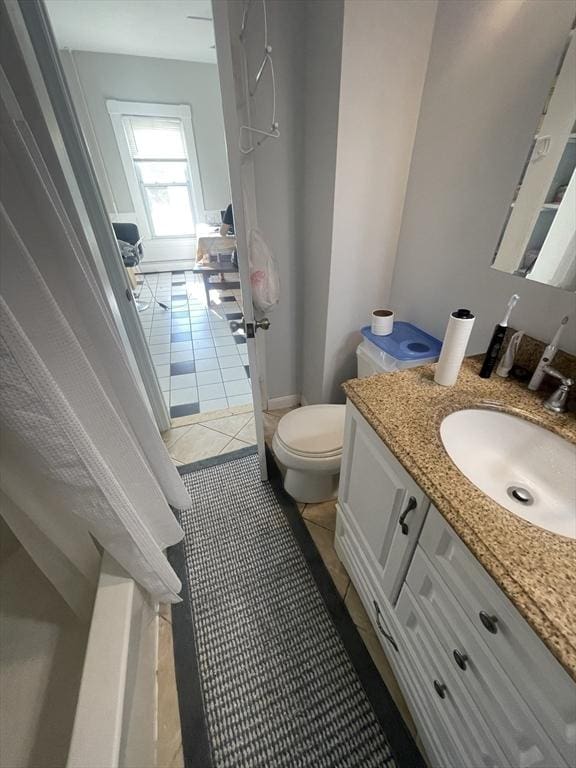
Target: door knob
489	622
461	659
249	328
440	689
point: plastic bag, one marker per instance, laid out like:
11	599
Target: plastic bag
264	277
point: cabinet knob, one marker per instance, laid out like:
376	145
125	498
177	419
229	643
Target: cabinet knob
440	689
387	635
489	622
461	660
412	504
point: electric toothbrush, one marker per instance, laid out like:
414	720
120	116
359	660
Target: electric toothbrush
495	346
547	357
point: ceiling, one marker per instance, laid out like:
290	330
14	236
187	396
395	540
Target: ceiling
156	28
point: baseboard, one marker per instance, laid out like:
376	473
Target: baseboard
289	401
303	401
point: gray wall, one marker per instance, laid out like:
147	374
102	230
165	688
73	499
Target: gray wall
384	58
133	78
323	56
490	69
365	69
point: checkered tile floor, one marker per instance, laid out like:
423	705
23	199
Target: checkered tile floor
201	365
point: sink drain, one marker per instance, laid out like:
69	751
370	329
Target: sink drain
520	494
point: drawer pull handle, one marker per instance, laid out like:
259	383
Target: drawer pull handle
489	622
461	660
381	628
440	689
412	504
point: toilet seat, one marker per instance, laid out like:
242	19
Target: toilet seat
313	432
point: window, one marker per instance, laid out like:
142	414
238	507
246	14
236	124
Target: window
155	151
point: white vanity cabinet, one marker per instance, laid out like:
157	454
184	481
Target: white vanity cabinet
482	687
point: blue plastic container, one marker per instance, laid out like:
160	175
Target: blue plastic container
406	347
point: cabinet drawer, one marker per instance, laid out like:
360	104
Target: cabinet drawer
382	505
360	571
543	684
393	643
472	744
512	722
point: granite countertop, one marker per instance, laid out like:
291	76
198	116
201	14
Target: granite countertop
535	568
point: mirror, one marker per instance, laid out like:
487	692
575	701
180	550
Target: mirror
538	241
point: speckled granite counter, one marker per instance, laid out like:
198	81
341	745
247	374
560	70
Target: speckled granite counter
536	569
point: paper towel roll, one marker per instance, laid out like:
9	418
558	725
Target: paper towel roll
454	347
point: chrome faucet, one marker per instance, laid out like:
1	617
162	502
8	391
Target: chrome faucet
557	400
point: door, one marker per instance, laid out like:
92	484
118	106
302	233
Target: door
382	504
34	37
242	186
43	62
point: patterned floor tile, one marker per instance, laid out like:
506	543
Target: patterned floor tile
189	337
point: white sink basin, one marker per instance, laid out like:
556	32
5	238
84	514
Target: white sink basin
525	468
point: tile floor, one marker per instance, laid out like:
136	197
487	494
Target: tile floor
201	365
211	434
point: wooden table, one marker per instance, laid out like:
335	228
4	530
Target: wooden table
209	270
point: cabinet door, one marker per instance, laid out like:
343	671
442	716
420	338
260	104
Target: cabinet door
471	742
543	683
376	495
550	164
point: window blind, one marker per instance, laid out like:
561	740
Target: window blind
154	137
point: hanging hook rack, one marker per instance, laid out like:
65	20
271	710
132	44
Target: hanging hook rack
272	132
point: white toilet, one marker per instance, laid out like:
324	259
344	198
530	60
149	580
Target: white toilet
308	442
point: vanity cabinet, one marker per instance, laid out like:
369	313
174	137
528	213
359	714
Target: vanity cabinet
482	687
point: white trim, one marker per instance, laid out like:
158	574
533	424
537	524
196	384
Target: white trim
119	109
91	135
288	401
115	721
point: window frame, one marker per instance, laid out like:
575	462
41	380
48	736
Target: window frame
118	110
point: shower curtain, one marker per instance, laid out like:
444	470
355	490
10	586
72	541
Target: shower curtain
80	456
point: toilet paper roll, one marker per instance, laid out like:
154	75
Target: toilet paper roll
382	322
454	347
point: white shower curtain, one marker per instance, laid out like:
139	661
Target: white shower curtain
80	453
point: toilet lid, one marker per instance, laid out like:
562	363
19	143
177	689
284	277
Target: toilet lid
314	430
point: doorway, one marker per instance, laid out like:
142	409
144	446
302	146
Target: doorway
145	87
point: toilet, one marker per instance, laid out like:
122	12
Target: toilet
308	442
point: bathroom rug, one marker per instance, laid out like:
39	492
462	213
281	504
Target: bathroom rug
270	669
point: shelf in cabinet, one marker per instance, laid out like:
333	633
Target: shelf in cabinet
550	206
571	137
